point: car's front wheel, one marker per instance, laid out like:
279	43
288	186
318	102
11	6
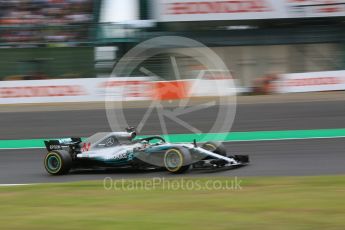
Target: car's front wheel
58	162
177	160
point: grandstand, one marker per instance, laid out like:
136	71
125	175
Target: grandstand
77	38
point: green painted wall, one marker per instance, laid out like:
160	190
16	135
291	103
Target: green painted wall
56	62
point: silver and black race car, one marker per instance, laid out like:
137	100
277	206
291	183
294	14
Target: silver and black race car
124	150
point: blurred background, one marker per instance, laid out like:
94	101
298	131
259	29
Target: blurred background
257	39
279	56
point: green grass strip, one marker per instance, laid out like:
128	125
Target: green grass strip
282	203
227	137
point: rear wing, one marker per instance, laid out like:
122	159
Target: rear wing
59	144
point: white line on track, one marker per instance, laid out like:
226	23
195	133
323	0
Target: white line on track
11	185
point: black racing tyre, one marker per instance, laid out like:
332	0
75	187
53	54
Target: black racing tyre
215	147
177	160
58	162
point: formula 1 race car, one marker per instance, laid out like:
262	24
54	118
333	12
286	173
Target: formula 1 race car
124	150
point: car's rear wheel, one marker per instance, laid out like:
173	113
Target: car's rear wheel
58	162
215	147
177	160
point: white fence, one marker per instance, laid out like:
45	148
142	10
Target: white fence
310	82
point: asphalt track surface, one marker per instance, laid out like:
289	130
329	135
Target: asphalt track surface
269	158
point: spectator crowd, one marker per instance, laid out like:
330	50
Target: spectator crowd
45	21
